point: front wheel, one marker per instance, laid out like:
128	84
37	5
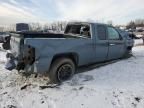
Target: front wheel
61	70
128	52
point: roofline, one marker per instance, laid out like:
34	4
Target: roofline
84	22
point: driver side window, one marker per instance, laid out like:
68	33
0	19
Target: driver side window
113	34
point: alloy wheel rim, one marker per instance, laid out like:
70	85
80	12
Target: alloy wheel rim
64	72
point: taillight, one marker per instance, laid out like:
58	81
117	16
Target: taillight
29	55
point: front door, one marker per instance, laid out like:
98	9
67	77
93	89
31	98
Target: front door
116	44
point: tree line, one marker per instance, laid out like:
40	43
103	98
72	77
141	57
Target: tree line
54	26
60	26
136	23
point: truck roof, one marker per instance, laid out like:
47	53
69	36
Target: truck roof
84	22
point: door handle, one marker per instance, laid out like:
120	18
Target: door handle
111	44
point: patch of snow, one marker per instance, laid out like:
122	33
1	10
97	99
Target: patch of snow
139	35
116	85
138	42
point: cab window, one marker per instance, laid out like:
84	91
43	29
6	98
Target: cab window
81	30
101	31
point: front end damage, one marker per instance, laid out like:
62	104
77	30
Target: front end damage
20	62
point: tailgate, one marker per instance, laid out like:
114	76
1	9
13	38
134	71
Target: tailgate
15	44
14	52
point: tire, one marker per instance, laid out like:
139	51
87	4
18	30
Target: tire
128	53
61	70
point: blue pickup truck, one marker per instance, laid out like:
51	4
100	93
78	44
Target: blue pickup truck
59	55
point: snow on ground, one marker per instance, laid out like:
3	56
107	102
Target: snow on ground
138	42
116	85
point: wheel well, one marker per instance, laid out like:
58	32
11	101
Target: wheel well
72	56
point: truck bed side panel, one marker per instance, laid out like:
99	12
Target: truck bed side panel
47	48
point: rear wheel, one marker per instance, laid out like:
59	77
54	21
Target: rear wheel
61	70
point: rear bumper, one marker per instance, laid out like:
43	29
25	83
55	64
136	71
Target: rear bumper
14	63
41	65
11	62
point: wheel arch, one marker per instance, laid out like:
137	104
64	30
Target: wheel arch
73	56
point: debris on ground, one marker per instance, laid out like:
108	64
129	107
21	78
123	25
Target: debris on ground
137	99
10	106
50	86
25	86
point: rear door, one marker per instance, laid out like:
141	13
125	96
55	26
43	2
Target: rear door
116	44
101	46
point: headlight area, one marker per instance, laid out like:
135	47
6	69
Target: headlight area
28	57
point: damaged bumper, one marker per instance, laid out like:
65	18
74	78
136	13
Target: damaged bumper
21	61
11	62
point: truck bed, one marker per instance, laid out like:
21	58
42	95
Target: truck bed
41	35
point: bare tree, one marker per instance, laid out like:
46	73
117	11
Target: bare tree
110	22
1	29
131	25
139	22
58	26
35	27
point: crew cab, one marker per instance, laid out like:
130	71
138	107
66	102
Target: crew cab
59	55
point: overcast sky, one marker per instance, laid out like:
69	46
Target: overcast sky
120	11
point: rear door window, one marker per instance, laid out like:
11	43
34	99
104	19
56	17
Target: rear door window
79	30
101	31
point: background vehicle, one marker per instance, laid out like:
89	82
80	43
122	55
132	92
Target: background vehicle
22	27
140	30
2	37
59	54
5	39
